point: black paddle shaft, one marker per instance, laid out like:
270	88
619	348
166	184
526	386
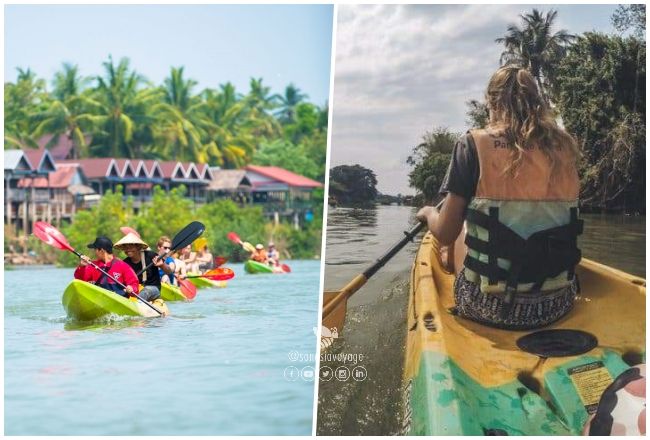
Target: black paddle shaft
186	236
408	236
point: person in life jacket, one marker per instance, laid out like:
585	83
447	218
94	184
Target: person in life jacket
273	255
514	184
121	271
260	254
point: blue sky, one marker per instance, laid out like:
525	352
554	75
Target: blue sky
215	43
402	70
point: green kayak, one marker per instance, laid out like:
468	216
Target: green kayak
204	282
171	293
254	267
86	302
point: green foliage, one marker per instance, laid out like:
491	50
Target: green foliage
630	17
103	219
601	96
477	114
535	47
167	214
430	160
124	115
353	185
283	153
223	216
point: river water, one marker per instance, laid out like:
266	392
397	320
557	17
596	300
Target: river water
215	367
374	335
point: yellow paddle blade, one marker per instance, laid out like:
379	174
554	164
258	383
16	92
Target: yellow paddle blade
249	247
335	319
199	243
335	303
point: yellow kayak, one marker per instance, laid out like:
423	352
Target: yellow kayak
463	378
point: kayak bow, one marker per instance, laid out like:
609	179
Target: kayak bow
463	378
86	302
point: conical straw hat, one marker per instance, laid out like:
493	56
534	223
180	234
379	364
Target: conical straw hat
130	238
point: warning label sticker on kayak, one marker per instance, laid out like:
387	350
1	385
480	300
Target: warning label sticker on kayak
590	380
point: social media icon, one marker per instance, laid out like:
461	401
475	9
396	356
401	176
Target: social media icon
308	373
291	373
359	373
326	373
342	373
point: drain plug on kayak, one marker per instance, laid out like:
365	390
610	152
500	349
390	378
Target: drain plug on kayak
557	343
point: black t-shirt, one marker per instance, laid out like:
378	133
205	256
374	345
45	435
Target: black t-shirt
153	276
463	172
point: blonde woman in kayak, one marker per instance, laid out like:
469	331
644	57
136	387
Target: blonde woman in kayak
514	185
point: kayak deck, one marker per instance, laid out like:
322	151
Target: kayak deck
204	282
83	301
254	267
171	293
463	378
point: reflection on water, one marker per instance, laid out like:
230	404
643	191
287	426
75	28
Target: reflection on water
615	240
376	317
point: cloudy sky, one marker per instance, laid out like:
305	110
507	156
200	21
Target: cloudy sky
402	70
215	43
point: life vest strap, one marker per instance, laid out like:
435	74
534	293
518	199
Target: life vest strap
545	254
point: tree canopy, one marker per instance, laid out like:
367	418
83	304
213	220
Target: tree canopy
121	114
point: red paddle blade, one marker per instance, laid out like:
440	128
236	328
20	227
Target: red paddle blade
220	261
285	268
187	288
234	238
52	236
220	274
126	230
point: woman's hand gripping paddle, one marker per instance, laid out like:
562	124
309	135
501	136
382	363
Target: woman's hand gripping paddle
53	237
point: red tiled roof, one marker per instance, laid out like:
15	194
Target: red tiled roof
167	168
92	168
61	150
61	178
149	166
285	176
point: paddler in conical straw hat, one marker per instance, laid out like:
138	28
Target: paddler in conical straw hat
138	257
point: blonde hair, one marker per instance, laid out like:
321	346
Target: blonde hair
163	239
520	112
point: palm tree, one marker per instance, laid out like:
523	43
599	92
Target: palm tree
182	119
292	97
229	138
260	102
535	47
22	99
67	113
125	112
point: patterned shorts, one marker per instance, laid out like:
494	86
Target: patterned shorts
529	311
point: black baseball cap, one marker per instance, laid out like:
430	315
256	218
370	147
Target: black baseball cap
102	242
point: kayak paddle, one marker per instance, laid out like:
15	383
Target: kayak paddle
188	289
235	239
285	268
335	302
53	237
186	236
218	274
220	261
126	230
